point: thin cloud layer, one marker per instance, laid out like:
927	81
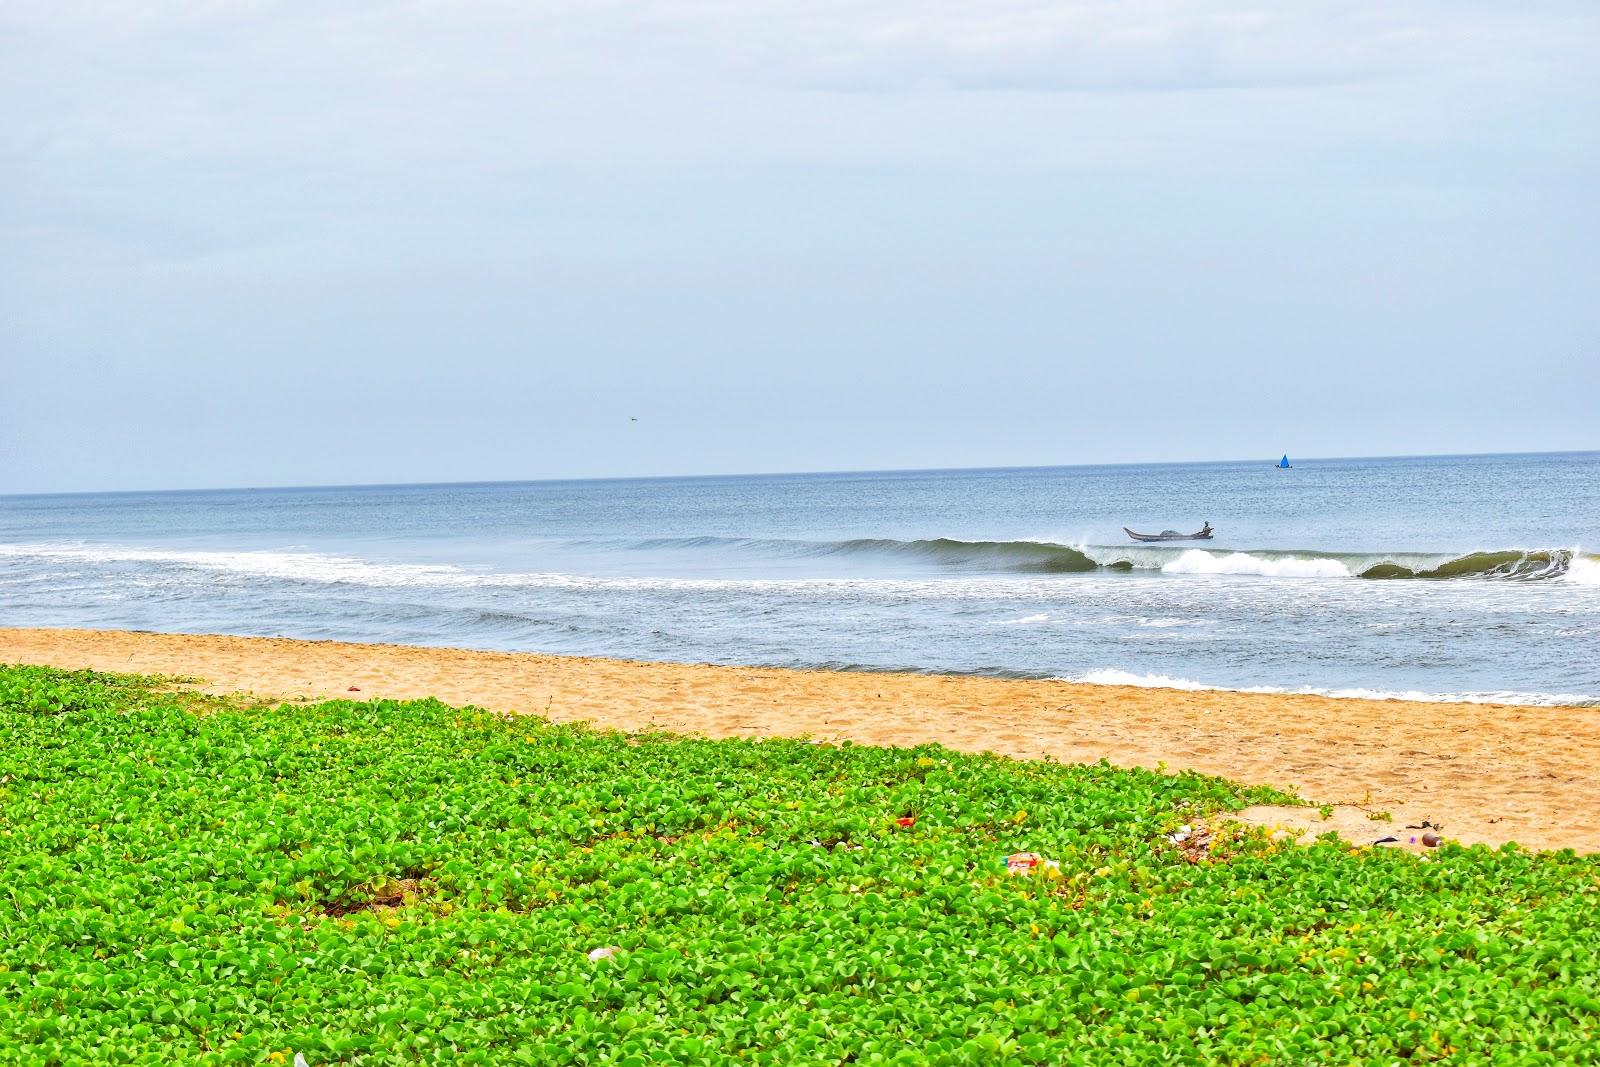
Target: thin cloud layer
1088	47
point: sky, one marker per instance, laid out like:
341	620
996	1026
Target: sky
260	243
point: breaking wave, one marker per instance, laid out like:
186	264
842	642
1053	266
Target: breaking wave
1018	557
1199	561
1047	557
1162	681
292	566
1035	557
1544	563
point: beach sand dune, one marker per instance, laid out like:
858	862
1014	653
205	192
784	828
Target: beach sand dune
1485	773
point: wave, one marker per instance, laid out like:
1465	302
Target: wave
1026	620
1513	564
201	566
1038	557
1162	681
1020	557
1516	564
1544	563
294	566
1047	557
1199	561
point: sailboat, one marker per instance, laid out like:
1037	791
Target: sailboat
1283	464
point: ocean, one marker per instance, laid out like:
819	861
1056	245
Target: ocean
1455	577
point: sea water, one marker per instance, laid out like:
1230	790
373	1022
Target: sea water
1470	577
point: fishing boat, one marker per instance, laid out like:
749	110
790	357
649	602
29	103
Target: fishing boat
1202	534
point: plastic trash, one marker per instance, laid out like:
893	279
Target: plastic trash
1029	862
1193	841
1022	862
604	952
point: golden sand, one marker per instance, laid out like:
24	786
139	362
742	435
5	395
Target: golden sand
1485	772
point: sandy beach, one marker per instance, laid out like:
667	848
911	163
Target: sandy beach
1485	773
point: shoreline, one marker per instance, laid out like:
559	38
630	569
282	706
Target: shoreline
1487	773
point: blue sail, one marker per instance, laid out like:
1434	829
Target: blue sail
1283	464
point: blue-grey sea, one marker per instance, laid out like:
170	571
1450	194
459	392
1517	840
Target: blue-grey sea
1461	576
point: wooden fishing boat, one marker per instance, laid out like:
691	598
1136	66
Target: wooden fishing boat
1202	534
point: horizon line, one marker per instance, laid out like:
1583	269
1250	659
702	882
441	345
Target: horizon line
290	487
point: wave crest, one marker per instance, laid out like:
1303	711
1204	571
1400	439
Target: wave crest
1041	557
1111	676
1022	557
1044	557
1545	563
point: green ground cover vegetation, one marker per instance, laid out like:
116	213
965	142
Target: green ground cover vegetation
186	879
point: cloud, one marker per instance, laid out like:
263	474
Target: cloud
884	45
1079	47
200	125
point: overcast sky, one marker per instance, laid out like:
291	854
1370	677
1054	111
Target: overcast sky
256	243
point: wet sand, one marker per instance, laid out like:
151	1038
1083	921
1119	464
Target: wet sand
1484	772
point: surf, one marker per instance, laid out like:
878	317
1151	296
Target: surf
1027	556
1022	557
1512	564
1112	676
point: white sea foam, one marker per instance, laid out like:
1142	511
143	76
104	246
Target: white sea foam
1199	561
1143	681
320	568
1584	570
1026	620
1163	681
297	566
